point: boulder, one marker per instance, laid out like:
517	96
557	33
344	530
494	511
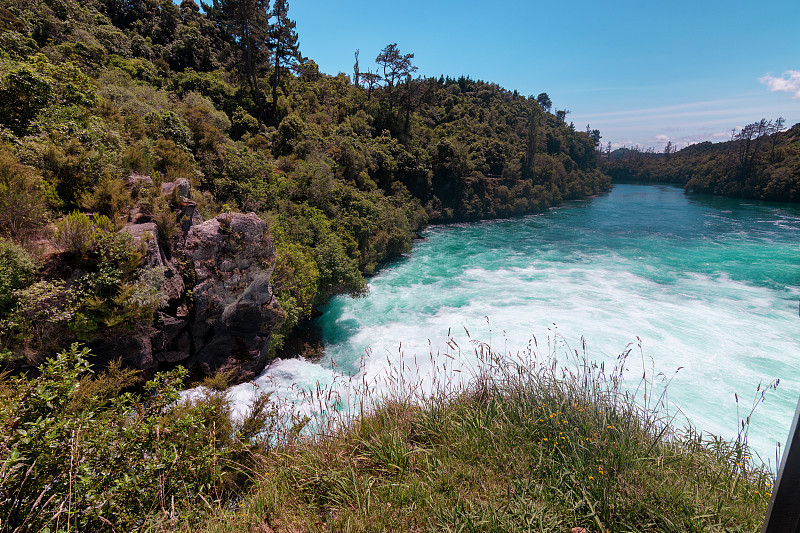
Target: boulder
234	310
133	350
147	233
181	184
226	320
188	215
136	180
154	256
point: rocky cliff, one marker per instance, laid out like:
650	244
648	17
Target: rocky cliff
221	309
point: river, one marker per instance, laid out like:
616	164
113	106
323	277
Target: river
703	284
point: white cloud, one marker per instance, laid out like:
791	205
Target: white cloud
650	111
622	144
661	138
788	82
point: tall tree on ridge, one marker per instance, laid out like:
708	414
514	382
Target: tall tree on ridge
370	80
285	48
544	101
529	171
356	71
397	68
246	24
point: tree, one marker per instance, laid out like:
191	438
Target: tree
370	81
397	67
561	115
533	142
246	24
22	198
544	101
283	41
750	139
778	126
595	135
356	72
410	98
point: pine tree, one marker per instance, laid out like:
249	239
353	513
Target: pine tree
284	45
246	24
529	171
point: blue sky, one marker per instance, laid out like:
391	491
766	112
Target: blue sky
641	72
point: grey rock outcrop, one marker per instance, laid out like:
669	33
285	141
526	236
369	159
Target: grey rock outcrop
234	309
221	310
181	184
154	256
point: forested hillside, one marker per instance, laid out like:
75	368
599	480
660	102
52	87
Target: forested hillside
115	114
760	161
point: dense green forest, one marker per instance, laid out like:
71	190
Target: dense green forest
107	106
760	161
180	190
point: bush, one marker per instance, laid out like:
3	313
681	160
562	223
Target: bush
74	234
338	273
74	168
81	455
109	198
22	203
173	162
17	268
28	88
40	316
169	126
24	92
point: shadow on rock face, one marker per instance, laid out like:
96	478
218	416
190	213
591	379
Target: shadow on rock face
222	308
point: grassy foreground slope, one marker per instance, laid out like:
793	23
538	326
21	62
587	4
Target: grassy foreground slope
530	450
527	446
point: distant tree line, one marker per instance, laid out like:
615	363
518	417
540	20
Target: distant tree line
761	160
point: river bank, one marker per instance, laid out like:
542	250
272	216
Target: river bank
687	277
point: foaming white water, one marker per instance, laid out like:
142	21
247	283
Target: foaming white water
694	304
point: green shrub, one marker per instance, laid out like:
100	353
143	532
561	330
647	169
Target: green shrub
74	233
169	125
18	45
114	248
39	317
243	122
173	161
24	92
78	454
338	273
296	274
164	219
109	198
74	168
138	158
22	200
17	268
28	88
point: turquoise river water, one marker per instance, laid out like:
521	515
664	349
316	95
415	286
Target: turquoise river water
708	285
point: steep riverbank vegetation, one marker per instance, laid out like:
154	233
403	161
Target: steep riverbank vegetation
105	106
528	445
760	161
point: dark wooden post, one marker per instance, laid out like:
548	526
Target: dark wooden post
783	513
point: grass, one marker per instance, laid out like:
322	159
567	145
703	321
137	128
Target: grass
528	445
